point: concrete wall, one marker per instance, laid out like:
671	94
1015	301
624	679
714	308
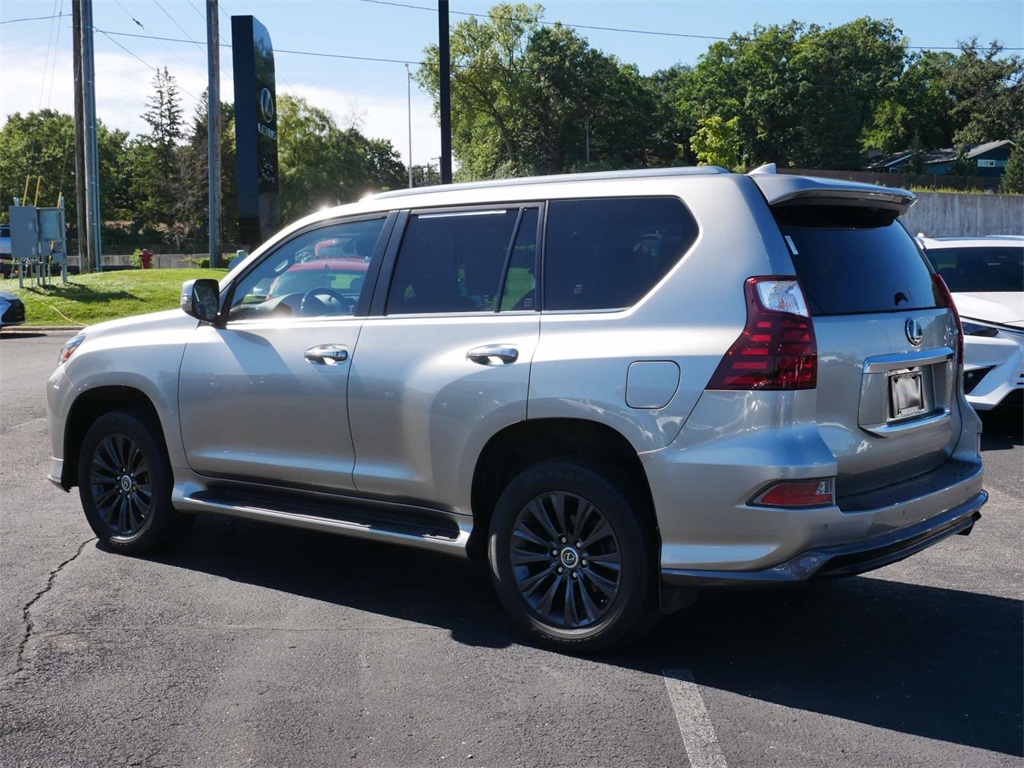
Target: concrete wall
948	214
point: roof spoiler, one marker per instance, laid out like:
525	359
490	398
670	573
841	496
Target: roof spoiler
785	189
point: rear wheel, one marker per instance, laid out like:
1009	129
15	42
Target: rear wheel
569	557
125	485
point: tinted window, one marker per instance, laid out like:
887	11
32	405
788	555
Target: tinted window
452	262
607	254
971	269
854	260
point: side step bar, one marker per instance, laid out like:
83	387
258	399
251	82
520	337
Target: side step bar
376	521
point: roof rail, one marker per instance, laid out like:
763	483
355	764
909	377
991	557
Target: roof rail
704	170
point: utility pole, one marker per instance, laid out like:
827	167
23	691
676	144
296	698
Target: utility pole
408	95
445	71
92	159
84	257
213	126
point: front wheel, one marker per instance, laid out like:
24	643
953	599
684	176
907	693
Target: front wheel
569	556
124	481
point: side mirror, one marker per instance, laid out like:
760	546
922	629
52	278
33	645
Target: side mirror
200	298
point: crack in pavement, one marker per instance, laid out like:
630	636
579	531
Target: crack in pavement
27	610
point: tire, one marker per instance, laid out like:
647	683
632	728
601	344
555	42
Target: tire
585	595
124	481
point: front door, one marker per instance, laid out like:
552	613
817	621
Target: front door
263	399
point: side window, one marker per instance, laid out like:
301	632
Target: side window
521	281
321	272
451	262
608	253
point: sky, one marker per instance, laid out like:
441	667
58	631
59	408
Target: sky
322	47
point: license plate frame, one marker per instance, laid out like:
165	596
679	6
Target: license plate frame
906	394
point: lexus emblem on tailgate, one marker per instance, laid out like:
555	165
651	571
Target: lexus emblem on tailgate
914	332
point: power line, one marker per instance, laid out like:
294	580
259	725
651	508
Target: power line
50	48
276	50
166	47
185	31
35	18
656	33
144	63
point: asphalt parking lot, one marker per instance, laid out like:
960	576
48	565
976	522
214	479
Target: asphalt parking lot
254	645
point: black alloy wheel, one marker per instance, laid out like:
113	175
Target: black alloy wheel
570	555
125	483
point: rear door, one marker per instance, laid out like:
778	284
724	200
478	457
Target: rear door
886	403
444	357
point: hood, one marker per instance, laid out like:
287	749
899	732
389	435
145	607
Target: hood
7	296
1005	308
155	321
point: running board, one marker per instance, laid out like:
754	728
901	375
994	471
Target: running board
372	520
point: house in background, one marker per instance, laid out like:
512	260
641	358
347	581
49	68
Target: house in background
987	159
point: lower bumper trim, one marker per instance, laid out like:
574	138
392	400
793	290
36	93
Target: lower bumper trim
843	559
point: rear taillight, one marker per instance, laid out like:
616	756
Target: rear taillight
777	349
947	297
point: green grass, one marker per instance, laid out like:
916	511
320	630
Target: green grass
89	299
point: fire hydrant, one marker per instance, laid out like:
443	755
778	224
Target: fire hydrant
146	258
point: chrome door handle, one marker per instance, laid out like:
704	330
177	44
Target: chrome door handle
493	354
327	354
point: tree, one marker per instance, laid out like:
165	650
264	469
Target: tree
987	89
717	142
1013	176
41	144
321	164
918	112
157	189
193	218
804	95
530	99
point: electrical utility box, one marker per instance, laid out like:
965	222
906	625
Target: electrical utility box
38	244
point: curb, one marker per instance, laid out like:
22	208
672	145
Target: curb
40	328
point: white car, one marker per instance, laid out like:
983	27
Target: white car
986	277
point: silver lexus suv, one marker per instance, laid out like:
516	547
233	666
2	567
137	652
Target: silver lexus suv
615	387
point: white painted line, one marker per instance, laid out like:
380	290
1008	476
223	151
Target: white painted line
702	747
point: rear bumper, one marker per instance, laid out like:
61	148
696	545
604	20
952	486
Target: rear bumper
843	559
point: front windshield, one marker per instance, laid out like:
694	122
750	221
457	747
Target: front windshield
980	269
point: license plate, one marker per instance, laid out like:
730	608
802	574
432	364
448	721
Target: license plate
905	395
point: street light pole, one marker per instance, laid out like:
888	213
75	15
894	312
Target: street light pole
408	92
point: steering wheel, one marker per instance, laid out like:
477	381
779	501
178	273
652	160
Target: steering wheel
312	305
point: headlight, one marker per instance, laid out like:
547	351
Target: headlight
69	348
979	329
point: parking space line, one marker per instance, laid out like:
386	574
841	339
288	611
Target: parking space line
702	747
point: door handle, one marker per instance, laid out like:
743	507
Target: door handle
493	354
327	354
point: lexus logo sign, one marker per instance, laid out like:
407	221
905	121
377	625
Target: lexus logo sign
267	105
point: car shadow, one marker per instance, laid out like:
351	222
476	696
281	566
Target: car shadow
928	661
1002	428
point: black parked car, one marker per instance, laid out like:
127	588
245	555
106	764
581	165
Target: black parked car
12	310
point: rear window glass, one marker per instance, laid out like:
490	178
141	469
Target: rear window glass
982	269
607	254
853	261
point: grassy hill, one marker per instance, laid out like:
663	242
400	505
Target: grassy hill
89	299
